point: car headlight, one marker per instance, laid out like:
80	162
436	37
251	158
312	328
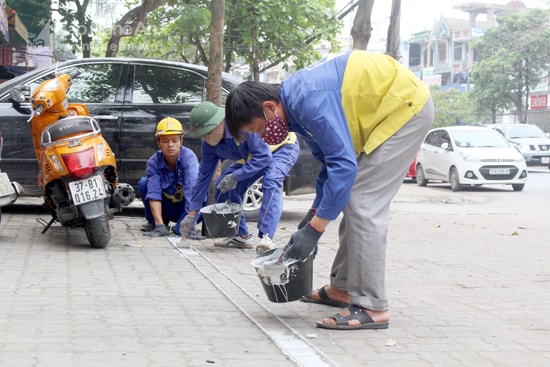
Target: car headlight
523	147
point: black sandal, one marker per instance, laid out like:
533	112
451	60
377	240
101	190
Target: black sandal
355	313
324	299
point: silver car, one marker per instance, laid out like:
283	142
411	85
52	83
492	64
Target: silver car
529	139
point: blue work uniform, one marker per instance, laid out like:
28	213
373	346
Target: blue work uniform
172	187
251	158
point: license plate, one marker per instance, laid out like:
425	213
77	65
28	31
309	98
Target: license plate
5	185
499	171
89	189
545	160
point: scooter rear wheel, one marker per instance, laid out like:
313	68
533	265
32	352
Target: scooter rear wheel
98	231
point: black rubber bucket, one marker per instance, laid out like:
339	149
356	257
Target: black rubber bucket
222	219
291	284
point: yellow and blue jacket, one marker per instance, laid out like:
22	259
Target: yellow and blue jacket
345	105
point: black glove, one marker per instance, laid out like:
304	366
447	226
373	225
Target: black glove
227	183
159	231
307	218
302	244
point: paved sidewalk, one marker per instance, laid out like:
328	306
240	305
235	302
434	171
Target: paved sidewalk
466	289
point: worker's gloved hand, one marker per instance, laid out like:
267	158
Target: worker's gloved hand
187	226
302	244
229	182
194	236
307	218
159	231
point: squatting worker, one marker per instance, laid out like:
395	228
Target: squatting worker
364	115
170	175
252	159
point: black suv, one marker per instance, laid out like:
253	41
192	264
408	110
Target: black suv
128	97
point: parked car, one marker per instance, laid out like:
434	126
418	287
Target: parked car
411	173
469	156
529	139
128	97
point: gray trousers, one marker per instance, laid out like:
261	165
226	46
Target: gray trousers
360	263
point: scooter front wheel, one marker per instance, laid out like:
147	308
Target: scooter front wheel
98	231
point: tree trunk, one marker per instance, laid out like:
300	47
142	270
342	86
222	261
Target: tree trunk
215	61
84	26
254	55
86	44
393	41
361	30
130	24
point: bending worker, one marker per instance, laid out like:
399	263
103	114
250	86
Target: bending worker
251	160
364	116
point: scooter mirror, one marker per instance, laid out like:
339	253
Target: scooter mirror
17	95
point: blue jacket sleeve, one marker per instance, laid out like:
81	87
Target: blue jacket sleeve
316	113
190	164
152	171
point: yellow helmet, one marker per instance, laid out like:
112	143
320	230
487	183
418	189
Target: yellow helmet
168	126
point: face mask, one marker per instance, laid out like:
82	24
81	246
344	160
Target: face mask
276	130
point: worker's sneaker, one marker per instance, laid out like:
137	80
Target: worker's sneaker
265	244
236	242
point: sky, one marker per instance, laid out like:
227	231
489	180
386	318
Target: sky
419	15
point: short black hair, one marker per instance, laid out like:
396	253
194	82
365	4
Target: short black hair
244	103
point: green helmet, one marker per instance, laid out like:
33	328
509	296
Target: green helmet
205	117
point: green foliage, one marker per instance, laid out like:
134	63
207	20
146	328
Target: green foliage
268	31
513	57
172	32
279	30
453	108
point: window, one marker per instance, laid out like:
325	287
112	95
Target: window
436	138
442	52
97	83
431	139
165	85
414	54
458	51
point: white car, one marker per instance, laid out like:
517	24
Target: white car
469	156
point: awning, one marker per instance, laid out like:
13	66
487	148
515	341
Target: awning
18	31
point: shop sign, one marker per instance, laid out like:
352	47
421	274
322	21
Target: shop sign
539	102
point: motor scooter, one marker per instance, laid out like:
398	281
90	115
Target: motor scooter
77	167
9	190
